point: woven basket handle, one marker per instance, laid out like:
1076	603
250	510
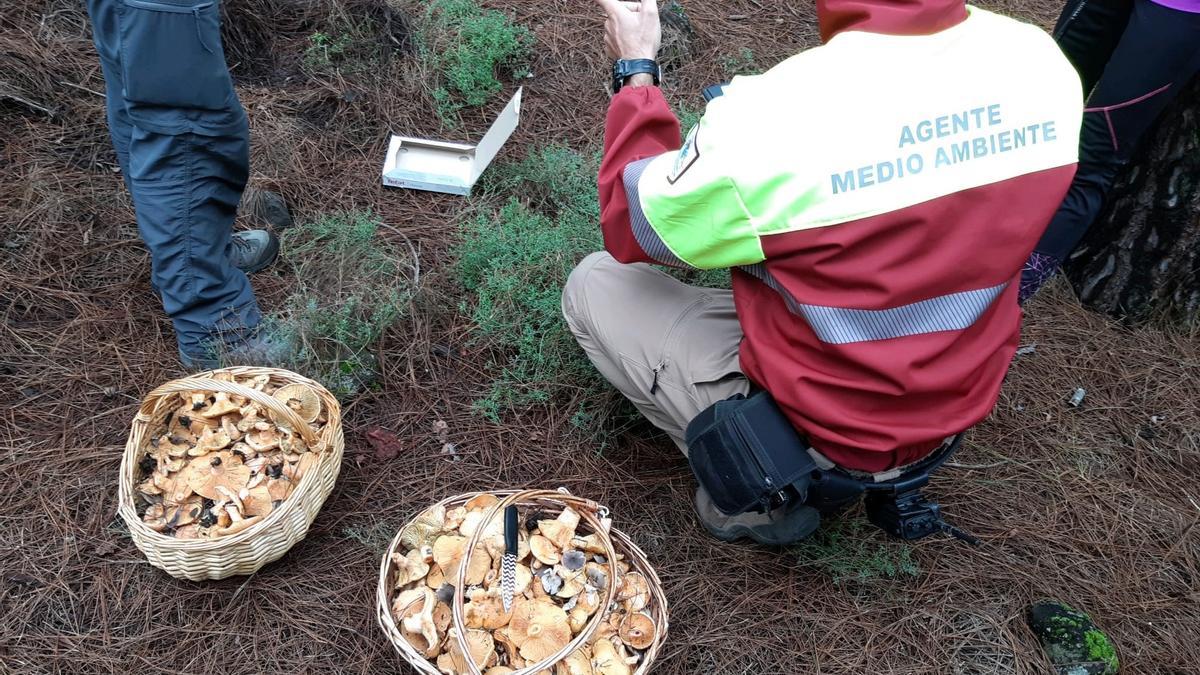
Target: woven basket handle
588	512
151	402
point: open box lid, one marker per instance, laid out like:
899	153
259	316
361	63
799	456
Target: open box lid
439	166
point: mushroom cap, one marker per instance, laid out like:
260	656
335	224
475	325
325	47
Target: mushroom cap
485	611
481	502
448	553
220	407
499	670
588	600
539	629
572	582
634	591
262	440
410	568
480	645
421	623
185	513
406	602
577	619
589	544
257	501
606	660
577	663
213	439
188	531
573	560
562	529
302	399
544	550
454	518
423	529
234	528
496	545
523	577
153	517
279	488
637	630
436	577
221	469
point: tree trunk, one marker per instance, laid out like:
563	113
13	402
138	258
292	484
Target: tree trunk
1141	259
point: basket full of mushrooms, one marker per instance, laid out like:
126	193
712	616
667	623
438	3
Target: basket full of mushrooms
520	583
224	471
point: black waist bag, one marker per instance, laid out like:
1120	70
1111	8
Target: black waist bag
747	455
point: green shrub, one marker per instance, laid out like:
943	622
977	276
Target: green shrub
846	550
740	62
465	48
350	286
347	41
514	262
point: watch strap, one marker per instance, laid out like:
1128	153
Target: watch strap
623	69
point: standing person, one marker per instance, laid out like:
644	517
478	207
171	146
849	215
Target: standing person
875	198
182	140
1133	57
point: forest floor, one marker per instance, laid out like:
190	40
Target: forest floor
1095	505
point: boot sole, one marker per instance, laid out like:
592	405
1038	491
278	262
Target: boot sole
796	527
799	530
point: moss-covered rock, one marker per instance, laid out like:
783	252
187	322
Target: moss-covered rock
1074	644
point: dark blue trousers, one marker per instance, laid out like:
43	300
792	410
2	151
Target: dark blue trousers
183	144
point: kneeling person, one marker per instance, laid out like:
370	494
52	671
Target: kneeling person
875	198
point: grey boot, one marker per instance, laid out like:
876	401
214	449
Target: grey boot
269	208
783	526
253	250
262	348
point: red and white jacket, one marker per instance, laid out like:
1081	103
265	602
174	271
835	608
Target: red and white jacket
876	198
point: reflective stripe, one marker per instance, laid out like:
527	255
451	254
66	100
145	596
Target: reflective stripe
643	231
841	325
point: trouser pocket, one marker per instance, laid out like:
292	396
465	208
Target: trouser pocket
171	54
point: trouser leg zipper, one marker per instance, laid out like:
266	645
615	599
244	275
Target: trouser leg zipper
657	369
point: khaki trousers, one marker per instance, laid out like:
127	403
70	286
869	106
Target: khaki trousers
670	348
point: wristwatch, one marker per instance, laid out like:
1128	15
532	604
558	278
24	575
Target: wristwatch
625	68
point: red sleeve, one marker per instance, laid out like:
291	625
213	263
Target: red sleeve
640	124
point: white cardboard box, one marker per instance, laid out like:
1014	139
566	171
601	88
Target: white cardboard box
438	166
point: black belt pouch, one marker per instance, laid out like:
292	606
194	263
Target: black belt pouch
747	455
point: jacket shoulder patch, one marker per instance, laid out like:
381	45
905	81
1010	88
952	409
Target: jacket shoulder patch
687	156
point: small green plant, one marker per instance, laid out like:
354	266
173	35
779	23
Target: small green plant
466	48
514	262
350	286
845	550
324	50
373	536
740	62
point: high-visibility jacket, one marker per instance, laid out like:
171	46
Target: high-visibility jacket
876	198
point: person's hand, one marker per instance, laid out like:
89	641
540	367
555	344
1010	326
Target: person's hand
632	30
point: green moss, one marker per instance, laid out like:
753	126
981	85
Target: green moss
1100	648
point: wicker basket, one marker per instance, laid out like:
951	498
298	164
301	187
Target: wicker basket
247	551
549	501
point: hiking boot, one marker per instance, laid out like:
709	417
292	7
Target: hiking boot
260	349
783	526
253	250
269	208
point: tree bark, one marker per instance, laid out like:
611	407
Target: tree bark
1141	258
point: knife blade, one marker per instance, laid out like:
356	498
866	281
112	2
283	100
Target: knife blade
508	564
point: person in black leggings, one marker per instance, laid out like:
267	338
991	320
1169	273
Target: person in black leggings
1133	57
